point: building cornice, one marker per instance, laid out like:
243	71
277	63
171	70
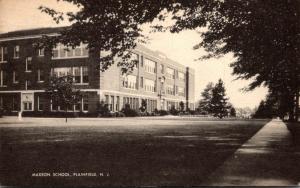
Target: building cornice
27	37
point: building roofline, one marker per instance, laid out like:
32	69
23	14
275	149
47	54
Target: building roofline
31	32
54	31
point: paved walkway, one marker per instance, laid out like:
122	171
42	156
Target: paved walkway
269	158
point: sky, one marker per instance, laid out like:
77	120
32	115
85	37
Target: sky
24	14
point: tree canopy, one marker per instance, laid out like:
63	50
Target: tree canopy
204	103
218	104
263	35
63	93
214	101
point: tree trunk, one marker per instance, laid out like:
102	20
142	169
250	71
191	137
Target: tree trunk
297	106
291	108
66	114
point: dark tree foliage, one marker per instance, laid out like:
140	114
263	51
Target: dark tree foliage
129	112
263	35
270	108
108	26
218	105
232	112
173	111
62	92
103	109
181	106
204	104
143	107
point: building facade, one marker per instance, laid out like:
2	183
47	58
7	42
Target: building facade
25	72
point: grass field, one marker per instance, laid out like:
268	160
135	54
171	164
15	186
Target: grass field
141	151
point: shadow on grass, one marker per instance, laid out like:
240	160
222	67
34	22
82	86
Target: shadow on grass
155	155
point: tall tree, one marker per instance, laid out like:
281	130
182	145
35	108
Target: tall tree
218	105
206	95
62	92
264	37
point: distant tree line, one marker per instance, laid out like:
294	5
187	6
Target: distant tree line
271	107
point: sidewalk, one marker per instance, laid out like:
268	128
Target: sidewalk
269	158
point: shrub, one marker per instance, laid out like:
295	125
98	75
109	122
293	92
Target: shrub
129	112
1	112
163	112
193	112
57	114
143	105
48	114
173	111
103	110
181	106
143	114
120	114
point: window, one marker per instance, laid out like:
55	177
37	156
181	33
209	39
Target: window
62	71
106	99
3	78
17	51
149	85
118	103
162	68
84	50
181	76
77	51
54	106
181	91
170	89
80	74
170	73
135	58
150	66
3	54
85	102
42	101
61	51
124	101
40	75
142	82
41	52
77	106
27	84
85	75
55	52
77	77
112	101
142	61
15	77
15	103
129	82
70	52
27	106
28	64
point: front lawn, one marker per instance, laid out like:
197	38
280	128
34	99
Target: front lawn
123	152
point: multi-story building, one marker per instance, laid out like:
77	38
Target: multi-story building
25	72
